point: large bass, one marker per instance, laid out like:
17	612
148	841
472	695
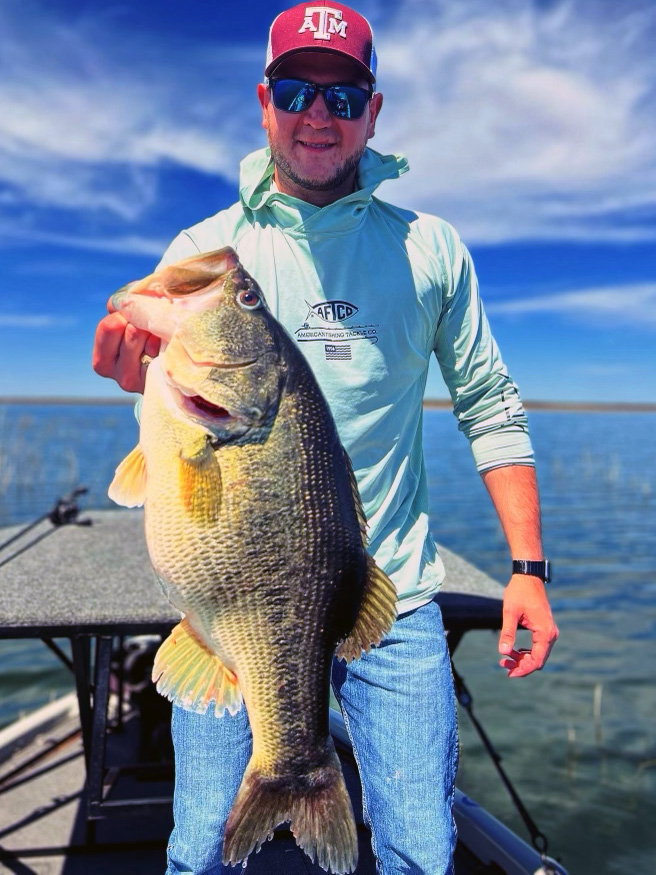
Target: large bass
255	528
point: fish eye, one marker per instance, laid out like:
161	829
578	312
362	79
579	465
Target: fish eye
248	299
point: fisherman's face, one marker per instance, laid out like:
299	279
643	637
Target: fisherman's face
315	154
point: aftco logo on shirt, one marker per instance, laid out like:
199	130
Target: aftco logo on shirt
330	22
333	311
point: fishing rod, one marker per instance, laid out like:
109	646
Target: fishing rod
538	838
64	512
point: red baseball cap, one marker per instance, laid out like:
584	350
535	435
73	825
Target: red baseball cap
322	27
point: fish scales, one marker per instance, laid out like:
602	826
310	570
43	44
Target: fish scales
253	526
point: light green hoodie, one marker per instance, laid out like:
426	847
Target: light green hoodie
369	291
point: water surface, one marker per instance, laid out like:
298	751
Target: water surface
577	739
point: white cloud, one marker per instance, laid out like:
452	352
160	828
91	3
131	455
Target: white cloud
89	113
520	119
633	304
524	121
126	244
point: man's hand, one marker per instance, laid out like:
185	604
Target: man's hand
525	602
118	350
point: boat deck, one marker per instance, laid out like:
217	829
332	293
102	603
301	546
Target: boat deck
95	583
43	825
44	828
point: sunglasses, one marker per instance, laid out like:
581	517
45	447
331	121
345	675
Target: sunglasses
343	101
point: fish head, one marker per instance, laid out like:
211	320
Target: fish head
226	355
222	356
160	302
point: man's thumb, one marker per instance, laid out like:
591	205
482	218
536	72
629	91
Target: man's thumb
507	636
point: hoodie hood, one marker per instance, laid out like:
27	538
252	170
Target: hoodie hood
259	195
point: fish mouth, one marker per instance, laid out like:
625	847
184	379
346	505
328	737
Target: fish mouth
217	418
198	406
207	408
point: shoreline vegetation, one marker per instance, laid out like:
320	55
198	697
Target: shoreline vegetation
429	403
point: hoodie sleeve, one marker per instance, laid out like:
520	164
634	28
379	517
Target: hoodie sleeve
486	401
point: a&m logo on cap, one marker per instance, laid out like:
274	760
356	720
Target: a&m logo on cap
330	22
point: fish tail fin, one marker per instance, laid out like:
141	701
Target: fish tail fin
323	824
189	674
316	804
375	617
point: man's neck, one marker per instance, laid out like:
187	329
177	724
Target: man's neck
317	197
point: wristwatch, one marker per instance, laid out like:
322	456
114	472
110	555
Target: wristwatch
536	568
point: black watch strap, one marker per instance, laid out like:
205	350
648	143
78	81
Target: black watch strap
535	567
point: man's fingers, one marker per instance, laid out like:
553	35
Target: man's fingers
152	346
540	651
525	665
508	662
525	603
508	632
130	371
107	343
118	351
523	662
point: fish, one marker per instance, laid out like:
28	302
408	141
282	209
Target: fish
256	531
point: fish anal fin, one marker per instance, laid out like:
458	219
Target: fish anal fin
375	617
191	675
128	487
317	805
200	480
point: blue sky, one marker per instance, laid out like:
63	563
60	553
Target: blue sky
531	126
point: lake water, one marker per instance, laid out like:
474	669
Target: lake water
579	738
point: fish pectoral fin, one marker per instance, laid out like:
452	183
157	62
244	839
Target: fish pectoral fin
200	479
191	675
198	451
129	484
375	617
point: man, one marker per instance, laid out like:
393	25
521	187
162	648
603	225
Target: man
369	291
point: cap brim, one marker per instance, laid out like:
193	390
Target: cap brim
270	69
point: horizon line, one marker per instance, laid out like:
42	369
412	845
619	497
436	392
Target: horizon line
429	403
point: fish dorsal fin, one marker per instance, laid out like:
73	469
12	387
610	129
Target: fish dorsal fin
357	501
375	617
191	675
128	487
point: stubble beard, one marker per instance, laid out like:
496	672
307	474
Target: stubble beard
340	176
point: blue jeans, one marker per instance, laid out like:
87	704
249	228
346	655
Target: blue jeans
399	710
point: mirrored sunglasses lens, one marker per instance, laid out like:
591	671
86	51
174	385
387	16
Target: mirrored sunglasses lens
345	101
290	95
